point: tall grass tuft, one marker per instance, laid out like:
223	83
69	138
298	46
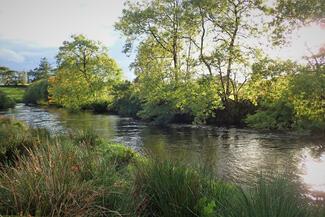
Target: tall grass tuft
47	183
60	177
16	137
86	138
268	198
164	188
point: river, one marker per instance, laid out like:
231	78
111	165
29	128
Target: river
238	155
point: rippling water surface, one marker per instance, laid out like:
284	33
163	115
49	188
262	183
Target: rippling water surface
232	154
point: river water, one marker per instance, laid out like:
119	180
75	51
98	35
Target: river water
238	155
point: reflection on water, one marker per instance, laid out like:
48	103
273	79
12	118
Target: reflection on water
314	171
238	155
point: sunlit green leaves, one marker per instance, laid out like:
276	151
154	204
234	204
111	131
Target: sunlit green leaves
85	73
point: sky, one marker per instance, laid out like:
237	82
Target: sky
32	29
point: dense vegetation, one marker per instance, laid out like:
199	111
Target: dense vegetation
6	101
37	93
82	175
85	74
196	62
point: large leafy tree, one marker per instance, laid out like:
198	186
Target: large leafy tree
166	25
85	73
224	40
205	37
181	41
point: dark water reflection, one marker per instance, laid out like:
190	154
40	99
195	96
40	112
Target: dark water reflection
233	154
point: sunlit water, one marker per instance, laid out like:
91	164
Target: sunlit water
238	155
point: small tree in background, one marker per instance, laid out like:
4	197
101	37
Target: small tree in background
43	71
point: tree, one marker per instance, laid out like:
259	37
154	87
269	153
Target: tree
290	14
196	34
163	23
8	76
43	71
85	73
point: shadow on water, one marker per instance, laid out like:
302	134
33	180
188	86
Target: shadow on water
232	154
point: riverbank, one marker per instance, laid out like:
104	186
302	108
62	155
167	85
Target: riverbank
232	154
83	175
14	92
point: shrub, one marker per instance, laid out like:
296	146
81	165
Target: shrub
279	115
6	102
233	113
126	99
37	93
161	113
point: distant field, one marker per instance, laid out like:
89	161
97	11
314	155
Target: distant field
16	93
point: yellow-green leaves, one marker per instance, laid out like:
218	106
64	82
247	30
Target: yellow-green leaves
85	74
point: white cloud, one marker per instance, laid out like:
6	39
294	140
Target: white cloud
11	55
47	23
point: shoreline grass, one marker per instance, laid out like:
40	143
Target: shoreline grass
82	175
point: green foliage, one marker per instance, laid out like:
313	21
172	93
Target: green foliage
288	96
85	74
43	71
37	93
307	94
6	101
100	106
63	176
126	100
290	14
274	116
199	98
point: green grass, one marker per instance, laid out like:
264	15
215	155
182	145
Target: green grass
16	93
83	175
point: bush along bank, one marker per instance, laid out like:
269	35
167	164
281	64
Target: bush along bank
82	175
6	101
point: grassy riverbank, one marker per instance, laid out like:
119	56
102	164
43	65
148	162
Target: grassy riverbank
80	174
14	92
